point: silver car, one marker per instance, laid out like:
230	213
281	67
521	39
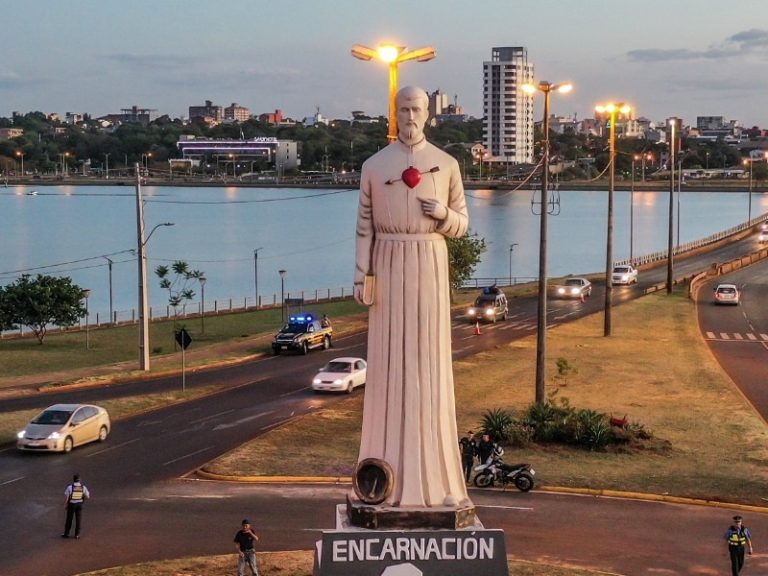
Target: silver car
340	375
61	427
575	288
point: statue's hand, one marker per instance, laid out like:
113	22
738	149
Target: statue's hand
433	208
358	293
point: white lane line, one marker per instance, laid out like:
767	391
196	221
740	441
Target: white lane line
751	336
211	416
724	336
113	447
764	336
243	420
187	456
738	336
12	481
711	335
504	507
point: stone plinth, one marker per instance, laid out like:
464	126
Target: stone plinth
381	517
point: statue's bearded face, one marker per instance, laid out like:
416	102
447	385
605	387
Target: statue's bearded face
412	114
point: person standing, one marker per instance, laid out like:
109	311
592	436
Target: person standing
74	497
468	446
411	200
485	448
737	538
244	542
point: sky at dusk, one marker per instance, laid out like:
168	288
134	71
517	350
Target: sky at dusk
666	58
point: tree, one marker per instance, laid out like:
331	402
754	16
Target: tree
179	287
463	255
40	302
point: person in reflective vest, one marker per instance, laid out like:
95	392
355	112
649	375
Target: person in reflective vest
737	538
74	496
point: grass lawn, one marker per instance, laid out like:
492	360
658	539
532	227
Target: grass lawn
654	368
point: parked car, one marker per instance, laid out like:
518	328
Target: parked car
624	274
489	306
61	427
575	288
727	294
340	375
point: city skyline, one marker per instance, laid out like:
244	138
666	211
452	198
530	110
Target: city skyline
686	58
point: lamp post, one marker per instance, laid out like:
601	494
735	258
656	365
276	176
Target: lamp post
393	55
202	281
648	157
511	249
670	264
86	293
282	294
256	275
632	209
541	312
20	154
749	210
106	165
141	245
612	110
111	313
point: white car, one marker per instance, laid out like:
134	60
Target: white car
340	375
575	288
61	427
727	294
624	274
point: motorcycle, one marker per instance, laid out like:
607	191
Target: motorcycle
495	471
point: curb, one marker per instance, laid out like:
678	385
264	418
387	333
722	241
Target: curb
606	493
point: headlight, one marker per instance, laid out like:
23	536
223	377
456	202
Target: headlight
21	434
53	436
561	290
489	312
338	381
471	312
625	277
316	381
574	291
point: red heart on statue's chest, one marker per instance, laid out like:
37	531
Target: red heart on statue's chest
411	176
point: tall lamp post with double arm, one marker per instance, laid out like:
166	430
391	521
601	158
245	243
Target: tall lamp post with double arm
546	89
393	56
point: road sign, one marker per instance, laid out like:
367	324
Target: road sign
183	338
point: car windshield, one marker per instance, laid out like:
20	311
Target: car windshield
295	327
574	282
621	269
484	301
337	367
53	417
726	290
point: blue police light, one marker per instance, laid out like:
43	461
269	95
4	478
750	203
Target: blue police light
301	319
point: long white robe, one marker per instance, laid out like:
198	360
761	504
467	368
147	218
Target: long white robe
409	417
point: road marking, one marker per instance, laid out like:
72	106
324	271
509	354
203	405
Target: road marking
711	335
12	481
187	456
764	336
241	421
724	336
211	416
459	350
113	447
751	336
504	507
738	336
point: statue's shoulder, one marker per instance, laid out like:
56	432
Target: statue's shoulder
444	157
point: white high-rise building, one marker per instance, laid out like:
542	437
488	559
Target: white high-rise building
507	109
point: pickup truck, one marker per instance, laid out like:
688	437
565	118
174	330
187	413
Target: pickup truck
302	333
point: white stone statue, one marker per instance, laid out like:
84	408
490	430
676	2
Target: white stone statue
411	198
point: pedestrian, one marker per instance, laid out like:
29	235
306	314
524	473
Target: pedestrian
485	448
74	497
468	446
244	541
737	537
325	322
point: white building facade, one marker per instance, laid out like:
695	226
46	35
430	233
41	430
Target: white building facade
507	109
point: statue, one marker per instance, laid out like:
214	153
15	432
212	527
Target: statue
411	198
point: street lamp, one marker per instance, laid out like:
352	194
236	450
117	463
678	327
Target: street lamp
106	165
749	211
511	249
86	293
632	208
393	55
20	154
282	294
541	312
670	264
648	157
256	275
481	155
232	159
612	110
202	281
109	264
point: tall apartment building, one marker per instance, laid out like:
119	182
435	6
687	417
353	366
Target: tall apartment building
207	110
507	109
236	113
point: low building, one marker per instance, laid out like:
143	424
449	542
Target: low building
207	110
282	154
8	133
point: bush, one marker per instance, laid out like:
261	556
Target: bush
497	424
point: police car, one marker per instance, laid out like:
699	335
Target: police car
302	333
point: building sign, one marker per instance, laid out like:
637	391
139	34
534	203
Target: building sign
416	553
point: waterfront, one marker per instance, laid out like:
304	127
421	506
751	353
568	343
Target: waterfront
74	230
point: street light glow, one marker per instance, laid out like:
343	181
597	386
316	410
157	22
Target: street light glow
389	53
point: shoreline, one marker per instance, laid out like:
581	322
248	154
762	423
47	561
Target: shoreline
500	185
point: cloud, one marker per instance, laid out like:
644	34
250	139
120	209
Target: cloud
151	61
748	41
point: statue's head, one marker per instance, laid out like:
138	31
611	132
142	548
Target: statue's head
412	106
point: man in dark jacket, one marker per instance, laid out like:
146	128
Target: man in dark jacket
468	446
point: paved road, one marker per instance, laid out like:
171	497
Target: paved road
140	510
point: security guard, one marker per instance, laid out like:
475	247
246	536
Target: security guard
737	536
74	496
468	446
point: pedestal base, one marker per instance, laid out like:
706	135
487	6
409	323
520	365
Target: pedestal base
390	518
354	551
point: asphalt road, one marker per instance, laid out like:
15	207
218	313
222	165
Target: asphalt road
141	510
